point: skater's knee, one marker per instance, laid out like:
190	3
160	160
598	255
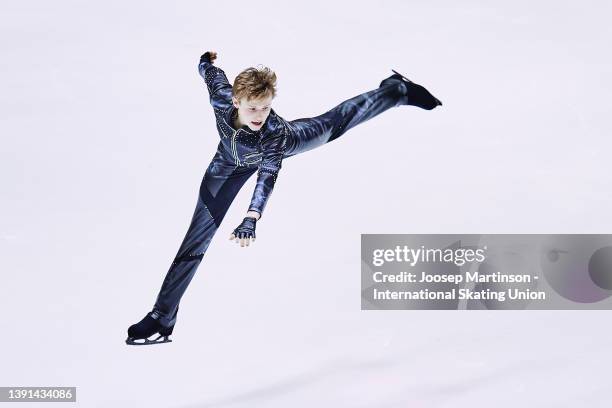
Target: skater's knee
188	258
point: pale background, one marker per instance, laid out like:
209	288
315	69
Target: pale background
107	130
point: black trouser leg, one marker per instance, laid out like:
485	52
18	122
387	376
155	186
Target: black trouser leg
219	187
308	133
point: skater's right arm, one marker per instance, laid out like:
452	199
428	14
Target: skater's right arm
218	86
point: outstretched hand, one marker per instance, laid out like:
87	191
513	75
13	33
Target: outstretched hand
209	56
245	232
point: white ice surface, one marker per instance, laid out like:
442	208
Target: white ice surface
106	131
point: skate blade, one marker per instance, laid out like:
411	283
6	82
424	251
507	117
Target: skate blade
146	342
395	72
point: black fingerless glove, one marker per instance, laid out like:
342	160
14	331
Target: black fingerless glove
205	57
246	229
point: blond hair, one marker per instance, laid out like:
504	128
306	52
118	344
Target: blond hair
255	83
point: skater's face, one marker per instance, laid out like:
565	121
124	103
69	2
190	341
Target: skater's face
253	112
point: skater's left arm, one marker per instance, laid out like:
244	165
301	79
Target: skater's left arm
273	149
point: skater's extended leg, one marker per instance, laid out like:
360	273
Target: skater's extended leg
308	133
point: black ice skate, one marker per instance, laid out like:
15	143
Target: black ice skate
416	94
145	329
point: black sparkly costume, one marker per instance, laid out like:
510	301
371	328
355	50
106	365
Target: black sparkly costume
243	152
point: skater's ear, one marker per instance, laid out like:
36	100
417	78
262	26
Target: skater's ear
235	102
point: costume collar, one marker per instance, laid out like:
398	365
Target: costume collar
229	119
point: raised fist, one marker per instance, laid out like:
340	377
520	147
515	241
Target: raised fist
209	56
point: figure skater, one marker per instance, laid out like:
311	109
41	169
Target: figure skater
255	139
